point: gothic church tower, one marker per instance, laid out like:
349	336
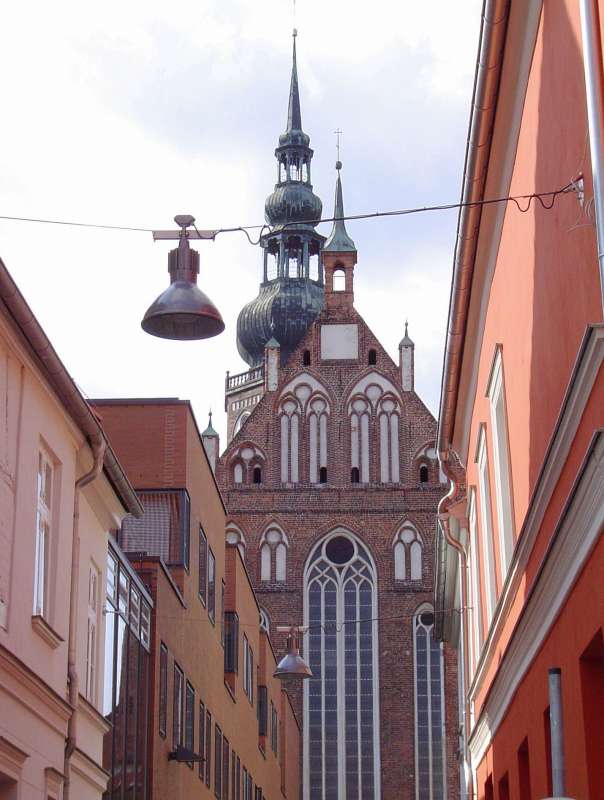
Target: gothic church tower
332	486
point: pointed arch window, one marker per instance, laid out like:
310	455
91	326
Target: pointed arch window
388	421
318	410
360	415
290	428
408	554
273	556
235	537
429	708
341	722
238	472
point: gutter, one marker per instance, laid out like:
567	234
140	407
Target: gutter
495	14
64	386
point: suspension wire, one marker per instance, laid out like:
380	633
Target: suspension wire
522	202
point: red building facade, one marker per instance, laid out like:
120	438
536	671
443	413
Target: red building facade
522	409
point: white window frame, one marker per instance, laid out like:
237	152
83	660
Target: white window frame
94	582
46	475
486	525
501	462
474	568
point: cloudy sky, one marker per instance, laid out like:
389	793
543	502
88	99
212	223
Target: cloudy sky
129	113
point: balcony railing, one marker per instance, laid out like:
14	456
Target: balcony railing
235	382
164	528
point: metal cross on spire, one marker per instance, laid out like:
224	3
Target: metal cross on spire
338	133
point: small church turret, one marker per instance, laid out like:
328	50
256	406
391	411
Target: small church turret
406	351
211	443
339	257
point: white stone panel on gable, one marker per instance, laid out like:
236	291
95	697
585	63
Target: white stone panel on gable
339	341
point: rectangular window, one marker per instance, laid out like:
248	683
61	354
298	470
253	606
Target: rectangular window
233	775
274	729
94	578
486	525
226	754
262	711
202	738
177	715
222	612
208	748
474	568
231	644
190	718
501	463
244	782
163	689
524	772
135	610
217	762
211	585
203	566
186	531
43	533
146	625
238	779
246	666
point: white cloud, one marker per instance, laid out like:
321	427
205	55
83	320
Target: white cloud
132	112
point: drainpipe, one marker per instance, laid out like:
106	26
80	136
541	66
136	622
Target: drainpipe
592	66
99	445
556	732
443	517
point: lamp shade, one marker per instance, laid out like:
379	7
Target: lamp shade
183	312
292	665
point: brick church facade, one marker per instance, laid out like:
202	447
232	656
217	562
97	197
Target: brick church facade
332	485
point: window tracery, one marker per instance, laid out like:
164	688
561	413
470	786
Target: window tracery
374	410
274	545
408	554
245	463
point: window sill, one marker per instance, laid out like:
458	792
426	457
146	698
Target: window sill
43	629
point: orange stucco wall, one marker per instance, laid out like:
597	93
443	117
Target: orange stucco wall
158	443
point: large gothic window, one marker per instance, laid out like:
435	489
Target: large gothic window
341	728
429	708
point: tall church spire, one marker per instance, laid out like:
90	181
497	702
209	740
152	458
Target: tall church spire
294	118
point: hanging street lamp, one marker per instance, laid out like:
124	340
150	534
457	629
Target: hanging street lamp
183	311
292	666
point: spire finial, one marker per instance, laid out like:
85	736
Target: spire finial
210	416
406	327
338	133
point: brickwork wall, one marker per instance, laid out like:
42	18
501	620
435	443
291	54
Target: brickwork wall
374	512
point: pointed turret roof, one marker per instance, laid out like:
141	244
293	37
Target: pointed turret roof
406	341
339	241
209	431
